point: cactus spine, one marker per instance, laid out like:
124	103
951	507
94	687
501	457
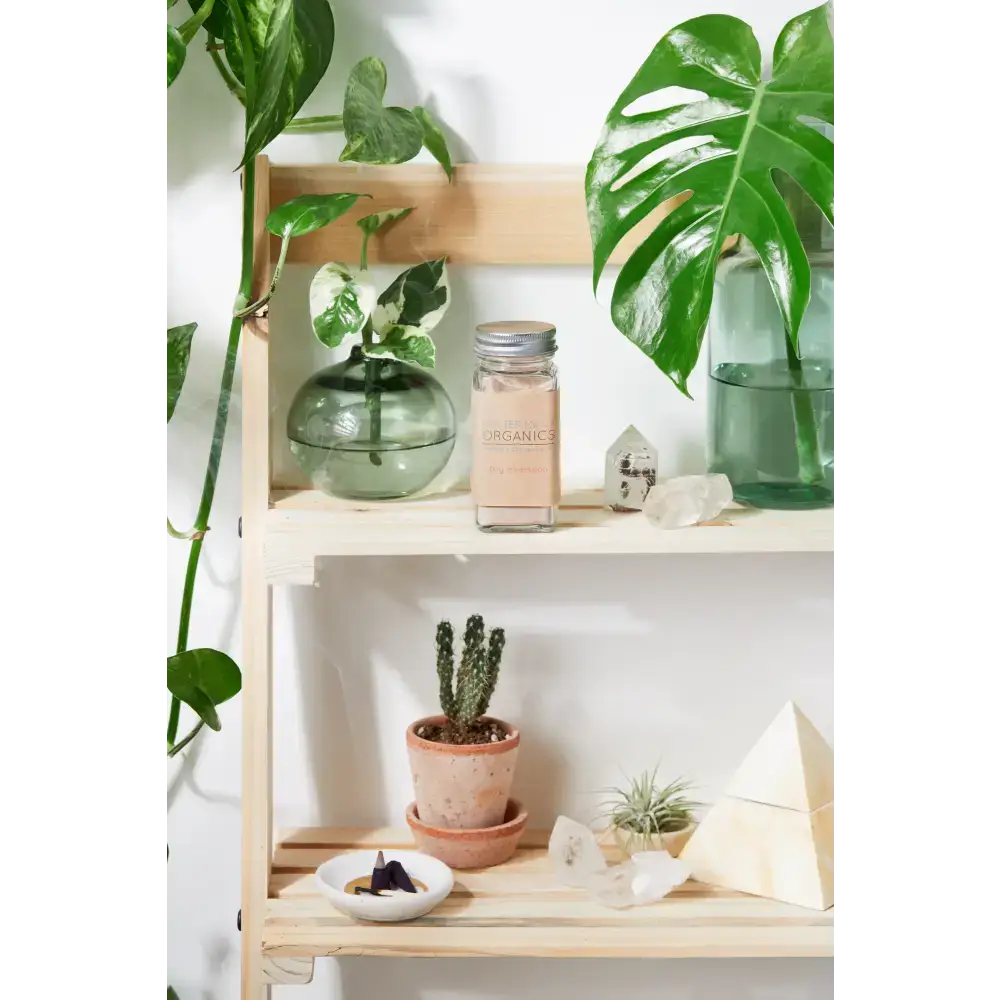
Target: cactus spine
477	674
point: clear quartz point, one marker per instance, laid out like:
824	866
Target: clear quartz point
574	852
629	471
686	500
646	877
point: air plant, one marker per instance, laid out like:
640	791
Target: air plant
642	810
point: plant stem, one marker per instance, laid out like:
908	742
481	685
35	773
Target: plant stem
218	438
190	27
806	435
181	744
234	85
321	123
373	397
266	297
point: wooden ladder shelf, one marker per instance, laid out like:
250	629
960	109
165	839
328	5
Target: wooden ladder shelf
487	215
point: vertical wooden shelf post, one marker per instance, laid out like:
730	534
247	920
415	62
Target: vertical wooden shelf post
257	684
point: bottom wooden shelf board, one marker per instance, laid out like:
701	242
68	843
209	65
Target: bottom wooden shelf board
518	909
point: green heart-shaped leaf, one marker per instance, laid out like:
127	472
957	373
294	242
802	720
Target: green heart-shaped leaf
176	53
203	679
340	302
738	136
178	355
375	133
434	139
291	42
309	212
417	299
215	23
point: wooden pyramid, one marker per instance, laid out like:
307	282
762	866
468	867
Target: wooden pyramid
791	765
771	834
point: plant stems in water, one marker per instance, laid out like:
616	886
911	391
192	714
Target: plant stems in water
806	435
373	397
215	449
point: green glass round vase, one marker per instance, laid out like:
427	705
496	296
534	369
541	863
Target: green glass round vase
371	428
770	427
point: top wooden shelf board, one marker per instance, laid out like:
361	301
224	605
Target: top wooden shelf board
303	525
488	214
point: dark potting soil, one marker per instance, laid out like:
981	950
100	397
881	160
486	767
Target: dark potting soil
475	732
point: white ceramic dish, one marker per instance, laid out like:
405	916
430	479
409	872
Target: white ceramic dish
333	875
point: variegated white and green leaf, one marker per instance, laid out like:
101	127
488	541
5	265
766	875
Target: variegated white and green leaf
406	343
340	302
371	224
416	301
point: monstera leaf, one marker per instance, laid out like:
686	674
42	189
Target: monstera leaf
408	310
340	302
291	43
742	131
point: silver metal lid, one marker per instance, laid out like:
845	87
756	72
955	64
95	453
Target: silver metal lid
515	339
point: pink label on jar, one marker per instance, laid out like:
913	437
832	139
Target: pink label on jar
515	448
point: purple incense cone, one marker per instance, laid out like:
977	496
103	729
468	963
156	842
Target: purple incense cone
381	874
400	880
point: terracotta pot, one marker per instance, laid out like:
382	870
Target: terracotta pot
673	843
470	848
462	787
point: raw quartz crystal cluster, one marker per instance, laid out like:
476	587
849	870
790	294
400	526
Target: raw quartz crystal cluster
579	861
629	471
687	500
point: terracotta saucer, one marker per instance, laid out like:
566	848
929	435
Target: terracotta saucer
482	848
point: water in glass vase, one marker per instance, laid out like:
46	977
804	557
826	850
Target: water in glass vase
773	441
371	428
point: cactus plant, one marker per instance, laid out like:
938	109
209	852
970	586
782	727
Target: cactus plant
477	674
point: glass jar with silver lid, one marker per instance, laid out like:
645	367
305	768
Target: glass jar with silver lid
515	427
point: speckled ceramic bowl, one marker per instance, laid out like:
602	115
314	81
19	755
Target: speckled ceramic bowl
483	848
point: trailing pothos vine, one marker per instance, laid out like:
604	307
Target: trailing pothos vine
270	54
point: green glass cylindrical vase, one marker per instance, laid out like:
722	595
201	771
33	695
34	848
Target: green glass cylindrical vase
370	428
770	407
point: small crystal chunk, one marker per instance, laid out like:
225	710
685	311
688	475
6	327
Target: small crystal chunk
645	878
574	852
629	471
687	500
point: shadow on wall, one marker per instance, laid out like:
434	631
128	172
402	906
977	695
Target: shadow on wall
603	674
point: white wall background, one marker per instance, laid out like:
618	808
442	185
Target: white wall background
613	662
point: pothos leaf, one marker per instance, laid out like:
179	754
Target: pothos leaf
176	53
291	57
371	224
178	355
375	133
404	343
418	298
340	302
202	679
434	139
215	23
309	212
738	136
